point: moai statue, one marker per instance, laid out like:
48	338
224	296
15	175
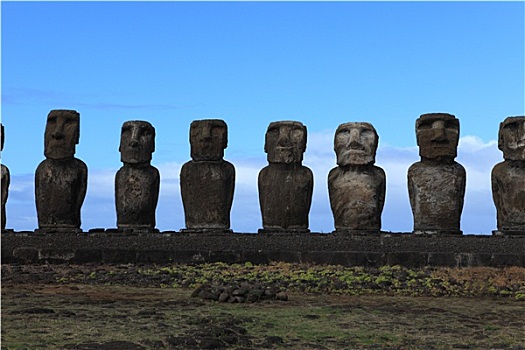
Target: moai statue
61	179
6	179
436	184
207	181
356	187
508	178
137	182
285	185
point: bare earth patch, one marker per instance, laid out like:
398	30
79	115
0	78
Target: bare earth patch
78	307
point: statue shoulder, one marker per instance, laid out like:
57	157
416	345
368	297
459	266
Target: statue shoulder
415	167
500	169
379	171
459	168
229	166
335	172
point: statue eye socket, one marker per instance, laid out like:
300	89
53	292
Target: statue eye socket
297	134
452	124
145	131
367	133
511	126
273	132
425	125
217	130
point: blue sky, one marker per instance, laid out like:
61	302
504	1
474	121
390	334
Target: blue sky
251	63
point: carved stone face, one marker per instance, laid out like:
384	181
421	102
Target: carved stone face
137	142
285	142
437	136
511	140
355	144
208	139
62	134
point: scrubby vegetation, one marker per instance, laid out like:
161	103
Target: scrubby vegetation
470	282
103	307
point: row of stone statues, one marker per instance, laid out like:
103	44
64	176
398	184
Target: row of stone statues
436	184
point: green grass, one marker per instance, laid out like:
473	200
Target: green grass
141	315
329	307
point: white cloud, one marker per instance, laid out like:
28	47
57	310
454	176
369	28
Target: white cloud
477	156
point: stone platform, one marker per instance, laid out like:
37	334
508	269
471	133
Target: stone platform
348	250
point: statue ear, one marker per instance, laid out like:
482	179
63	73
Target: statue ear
225	144
500	137
154	133
417	138
376	144
266	142
2	135
78	134
305	137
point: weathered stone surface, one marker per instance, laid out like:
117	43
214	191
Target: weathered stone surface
346	250
436	184
61	179
356	187
285	185
137	182
207	181
508	177
6	179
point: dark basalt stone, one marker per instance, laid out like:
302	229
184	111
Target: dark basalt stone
436	184
508	178
285	185
6	179
207	181
61	179
356	187
137	182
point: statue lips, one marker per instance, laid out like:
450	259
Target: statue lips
286	154
134	152
58	148
356	148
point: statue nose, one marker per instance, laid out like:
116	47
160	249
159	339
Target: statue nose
134	141
58	135
354	144
353	139
206	134
284	138
439	134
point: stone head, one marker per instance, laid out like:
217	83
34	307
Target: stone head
2	136
437	136
208	139
137	142
285	142
62	134
511	138
355	144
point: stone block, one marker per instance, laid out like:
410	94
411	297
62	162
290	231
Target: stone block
406	259
119	256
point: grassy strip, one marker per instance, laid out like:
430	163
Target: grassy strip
506	282
170	319
326	279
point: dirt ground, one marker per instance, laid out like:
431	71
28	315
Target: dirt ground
81	307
